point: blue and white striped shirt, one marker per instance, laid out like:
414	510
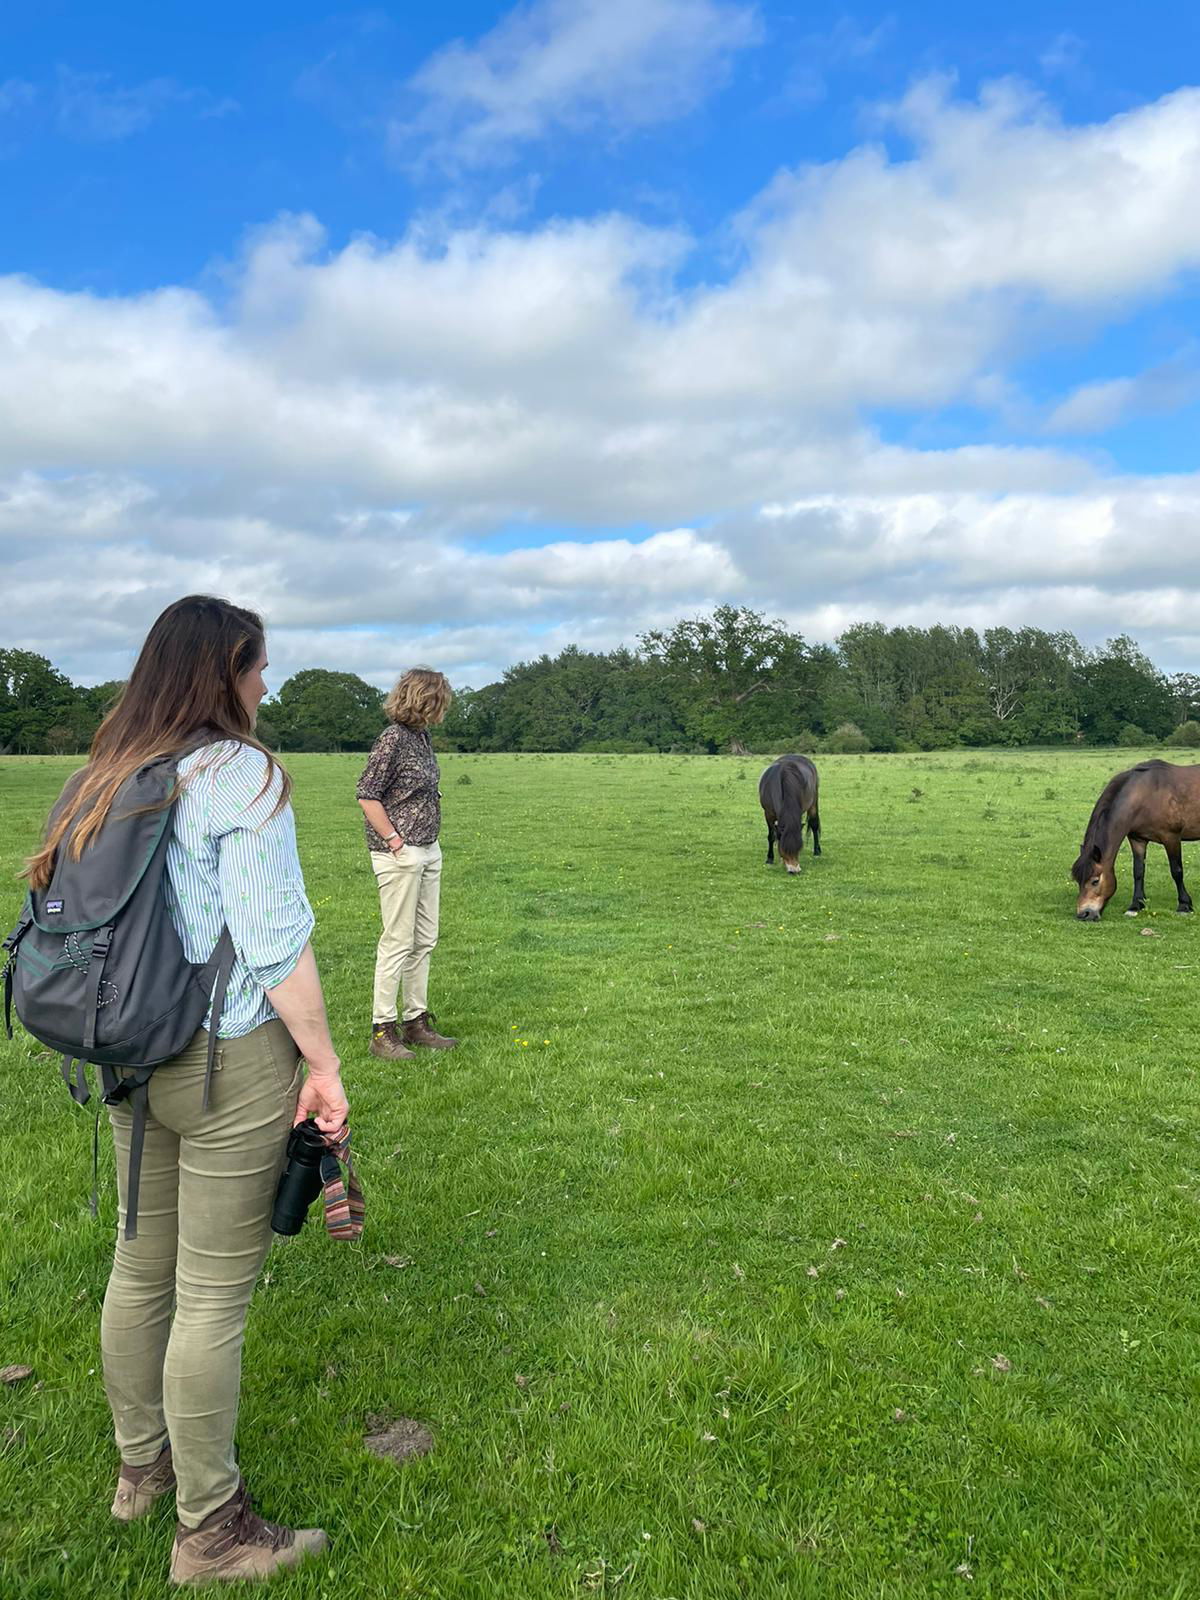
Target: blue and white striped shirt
231	862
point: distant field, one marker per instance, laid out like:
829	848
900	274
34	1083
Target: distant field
820	1236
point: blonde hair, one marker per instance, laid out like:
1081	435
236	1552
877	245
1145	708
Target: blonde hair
421	698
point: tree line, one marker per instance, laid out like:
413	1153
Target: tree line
729	681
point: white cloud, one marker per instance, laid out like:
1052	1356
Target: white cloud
574	65
1116	536
366	591
998	199
1096	407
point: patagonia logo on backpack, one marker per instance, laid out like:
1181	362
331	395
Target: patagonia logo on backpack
110	983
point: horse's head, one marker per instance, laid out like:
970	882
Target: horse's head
1097	884
791	846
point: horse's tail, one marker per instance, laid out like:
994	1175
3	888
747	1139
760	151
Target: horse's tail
1096	837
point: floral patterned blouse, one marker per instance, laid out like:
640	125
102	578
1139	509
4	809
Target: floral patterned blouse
402	774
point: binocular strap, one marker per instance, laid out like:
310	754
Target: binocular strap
344	1208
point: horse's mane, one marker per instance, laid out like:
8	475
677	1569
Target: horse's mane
1096	836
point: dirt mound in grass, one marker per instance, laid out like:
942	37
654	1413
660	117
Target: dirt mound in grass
398	1438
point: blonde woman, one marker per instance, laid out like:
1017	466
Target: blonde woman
401	802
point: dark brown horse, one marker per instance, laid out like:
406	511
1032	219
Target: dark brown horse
786	790
1152	803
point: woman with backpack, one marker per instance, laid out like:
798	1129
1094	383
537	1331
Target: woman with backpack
175	1309
402	808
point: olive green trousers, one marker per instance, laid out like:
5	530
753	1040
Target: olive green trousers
175	1310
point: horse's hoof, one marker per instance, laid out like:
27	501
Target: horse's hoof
1133	911
1183	911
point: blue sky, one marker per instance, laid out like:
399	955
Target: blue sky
282	107
468	331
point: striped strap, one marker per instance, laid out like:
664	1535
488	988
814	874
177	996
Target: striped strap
344	1209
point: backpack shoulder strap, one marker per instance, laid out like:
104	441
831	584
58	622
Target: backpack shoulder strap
10	944
133	1087
101	945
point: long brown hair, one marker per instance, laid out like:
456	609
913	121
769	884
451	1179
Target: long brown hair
420	698
184	683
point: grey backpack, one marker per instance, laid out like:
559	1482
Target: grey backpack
95	967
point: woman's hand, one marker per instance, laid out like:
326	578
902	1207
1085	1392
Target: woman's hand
323	1097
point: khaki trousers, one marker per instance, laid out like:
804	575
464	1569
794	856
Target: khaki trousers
175	1311
410	886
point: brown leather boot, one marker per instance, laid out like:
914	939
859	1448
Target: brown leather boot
139	1487
234	1543
387	1044
418	1031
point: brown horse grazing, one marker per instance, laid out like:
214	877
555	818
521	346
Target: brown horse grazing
1153	802
786	790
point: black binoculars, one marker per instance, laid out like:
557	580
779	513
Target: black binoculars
300	1182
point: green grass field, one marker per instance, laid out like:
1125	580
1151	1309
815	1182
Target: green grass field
767	1236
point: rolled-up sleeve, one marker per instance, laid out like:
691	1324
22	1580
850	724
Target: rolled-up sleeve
262	886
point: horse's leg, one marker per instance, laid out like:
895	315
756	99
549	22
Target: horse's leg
814	828
1138	846
1175	857
770	843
